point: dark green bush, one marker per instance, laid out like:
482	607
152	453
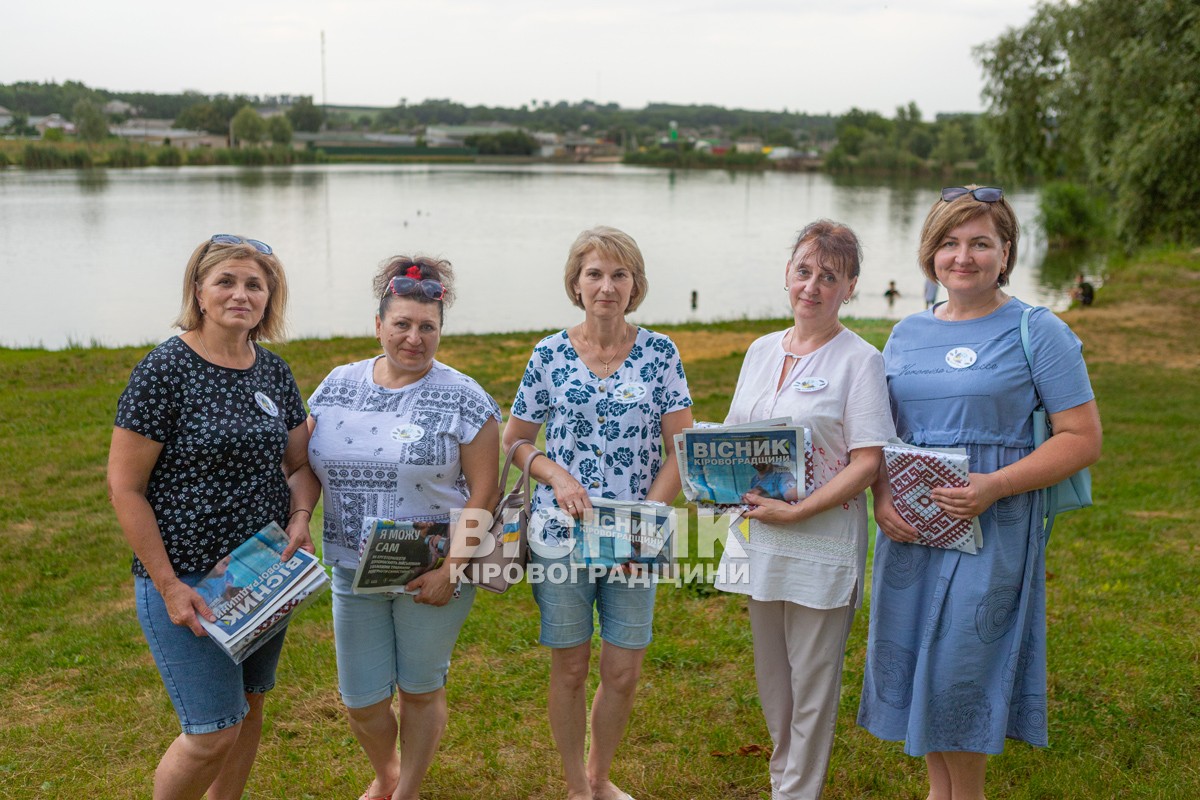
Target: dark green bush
201	157
1071	214
48	156
126	156
168	156
249	156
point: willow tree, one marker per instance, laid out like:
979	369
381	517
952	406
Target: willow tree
1107	93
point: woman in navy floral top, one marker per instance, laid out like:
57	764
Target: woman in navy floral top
610	395
210	446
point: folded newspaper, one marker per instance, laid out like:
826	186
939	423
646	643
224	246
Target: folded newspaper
253	594
619	532
913	473
394	552
720	465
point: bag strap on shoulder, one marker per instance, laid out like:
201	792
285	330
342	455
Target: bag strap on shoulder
1048	512
1029	350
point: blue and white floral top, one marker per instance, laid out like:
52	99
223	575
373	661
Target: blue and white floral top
607	432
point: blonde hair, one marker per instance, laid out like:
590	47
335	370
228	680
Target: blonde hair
945	216
616	245
208	255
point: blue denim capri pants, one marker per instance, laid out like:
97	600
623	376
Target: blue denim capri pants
389	640
207	689
570	596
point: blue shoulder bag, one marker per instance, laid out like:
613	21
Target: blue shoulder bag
1074	492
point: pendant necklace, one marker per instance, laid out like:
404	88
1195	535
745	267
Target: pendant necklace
600	355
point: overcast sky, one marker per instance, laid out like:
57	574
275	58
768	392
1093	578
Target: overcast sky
801	55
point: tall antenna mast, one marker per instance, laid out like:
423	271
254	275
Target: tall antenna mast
324	95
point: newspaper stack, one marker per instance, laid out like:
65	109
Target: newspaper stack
620	532
914	472
719	465
254	594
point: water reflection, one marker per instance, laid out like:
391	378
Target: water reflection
91	181
724	235
1061	265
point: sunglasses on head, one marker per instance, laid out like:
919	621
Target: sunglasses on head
984	194
402	286
229	238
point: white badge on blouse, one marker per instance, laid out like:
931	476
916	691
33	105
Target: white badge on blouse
810	384
408	433
266	404
961	357
629	393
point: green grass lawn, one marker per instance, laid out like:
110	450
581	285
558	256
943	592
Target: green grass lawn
82	711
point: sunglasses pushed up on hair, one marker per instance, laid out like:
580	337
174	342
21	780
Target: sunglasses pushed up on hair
402	286
984	194
229	238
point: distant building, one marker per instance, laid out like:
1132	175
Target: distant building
6	117
455	135
549	144
118	108
327	139
590	148
159	132
748	144
53	121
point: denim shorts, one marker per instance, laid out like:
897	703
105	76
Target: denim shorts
207	689
389	640
566	595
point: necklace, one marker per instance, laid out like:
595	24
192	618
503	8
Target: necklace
204	347
791	336
600	354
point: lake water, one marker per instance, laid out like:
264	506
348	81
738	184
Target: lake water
97	257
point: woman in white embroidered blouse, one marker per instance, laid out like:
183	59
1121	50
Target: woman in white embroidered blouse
802	563
401	436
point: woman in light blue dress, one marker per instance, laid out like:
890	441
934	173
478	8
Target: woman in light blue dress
956	656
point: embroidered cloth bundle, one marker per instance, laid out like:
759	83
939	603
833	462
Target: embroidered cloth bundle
913	473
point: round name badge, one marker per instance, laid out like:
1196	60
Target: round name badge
266	404
810	384
961	357
628	393
408	433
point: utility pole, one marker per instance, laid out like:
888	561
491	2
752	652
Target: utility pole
324	95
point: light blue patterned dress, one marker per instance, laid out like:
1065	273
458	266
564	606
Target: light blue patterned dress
956	656
607	432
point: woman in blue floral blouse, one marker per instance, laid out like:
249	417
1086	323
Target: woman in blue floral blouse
611	395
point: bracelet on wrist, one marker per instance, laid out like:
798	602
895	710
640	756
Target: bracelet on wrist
1008	480
299	510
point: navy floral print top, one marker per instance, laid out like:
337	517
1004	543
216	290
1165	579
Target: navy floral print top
607	432
219	477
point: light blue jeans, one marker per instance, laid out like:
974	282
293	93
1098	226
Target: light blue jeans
388	640
566	596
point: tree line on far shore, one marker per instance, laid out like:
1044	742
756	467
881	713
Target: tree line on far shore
1098	100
